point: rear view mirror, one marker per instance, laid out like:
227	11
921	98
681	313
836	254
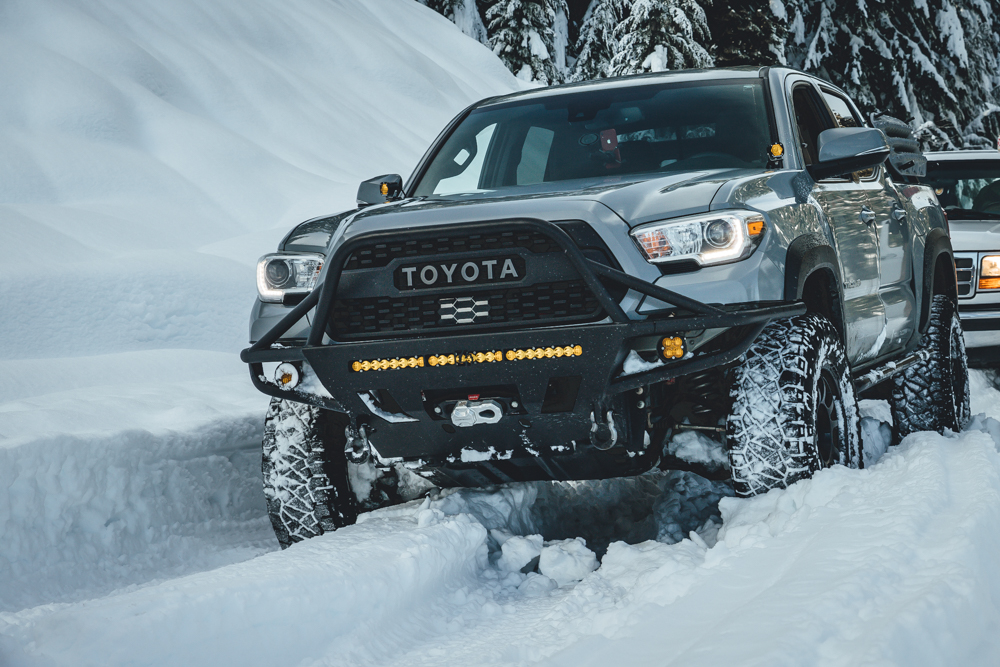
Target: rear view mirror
844	150
380	190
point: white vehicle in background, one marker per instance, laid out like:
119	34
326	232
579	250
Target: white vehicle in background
967	184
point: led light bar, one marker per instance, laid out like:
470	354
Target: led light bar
385	364
465	358
545	353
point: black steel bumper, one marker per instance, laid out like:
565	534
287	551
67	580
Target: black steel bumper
550	396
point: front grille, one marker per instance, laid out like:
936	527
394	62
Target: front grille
965	273
563	302
376	255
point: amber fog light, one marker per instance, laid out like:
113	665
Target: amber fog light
672	347
286	376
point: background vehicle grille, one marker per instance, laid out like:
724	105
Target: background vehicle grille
965	273
555	302
378	255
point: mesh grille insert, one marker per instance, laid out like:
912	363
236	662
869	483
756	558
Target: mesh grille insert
556	302
377	255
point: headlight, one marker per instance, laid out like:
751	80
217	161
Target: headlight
712	238
989	272
280	274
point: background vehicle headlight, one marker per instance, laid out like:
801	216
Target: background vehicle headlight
280	274
989	272
712	238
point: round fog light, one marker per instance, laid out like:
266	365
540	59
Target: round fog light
286	376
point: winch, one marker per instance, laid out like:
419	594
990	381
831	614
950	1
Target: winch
470	413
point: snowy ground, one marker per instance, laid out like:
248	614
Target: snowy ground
894	564
149	152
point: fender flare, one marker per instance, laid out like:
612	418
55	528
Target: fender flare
936	243
806	255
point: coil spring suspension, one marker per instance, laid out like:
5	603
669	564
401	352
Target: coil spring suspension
703	388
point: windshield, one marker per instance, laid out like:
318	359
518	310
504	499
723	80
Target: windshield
967	189
596	134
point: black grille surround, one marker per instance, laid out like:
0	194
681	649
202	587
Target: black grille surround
511	306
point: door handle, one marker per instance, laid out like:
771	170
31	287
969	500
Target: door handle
898	213
867	215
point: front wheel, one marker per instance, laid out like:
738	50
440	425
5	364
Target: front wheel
794	409
308	493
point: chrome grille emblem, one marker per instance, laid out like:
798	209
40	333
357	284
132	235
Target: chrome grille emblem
463	309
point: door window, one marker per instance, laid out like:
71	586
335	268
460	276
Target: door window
810	119
841	110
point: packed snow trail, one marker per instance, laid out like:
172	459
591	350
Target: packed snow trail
889	565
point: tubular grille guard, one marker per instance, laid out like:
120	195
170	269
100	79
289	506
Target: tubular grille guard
704	316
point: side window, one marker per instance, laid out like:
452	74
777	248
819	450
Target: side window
841	110
534	156
810	120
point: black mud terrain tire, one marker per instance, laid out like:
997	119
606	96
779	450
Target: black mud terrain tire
307	494
794	409
933	395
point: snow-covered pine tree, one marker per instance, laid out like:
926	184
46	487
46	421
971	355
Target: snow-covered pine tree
746	32
931	62
464	14
661	35
595	47
522	35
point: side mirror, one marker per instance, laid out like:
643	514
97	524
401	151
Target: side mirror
380	189
844	150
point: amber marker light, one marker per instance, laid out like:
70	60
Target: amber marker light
672	347
777	150
755	228
384	189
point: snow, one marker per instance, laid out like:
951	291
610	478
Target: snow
809	575
635	364
696	447
567	561
149	153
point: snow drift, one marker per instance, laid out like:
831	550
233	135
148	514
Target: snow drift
150	152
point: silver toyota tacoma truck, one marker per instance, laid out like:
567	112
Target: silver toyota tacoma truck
572	276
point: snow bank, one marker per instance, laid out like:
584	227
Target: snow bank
82	516
351	593
150	152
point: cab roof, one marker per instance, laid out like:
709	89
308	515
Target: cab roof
713	74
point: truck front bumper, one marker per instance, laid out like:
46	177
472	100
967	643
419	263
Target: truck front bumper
555	386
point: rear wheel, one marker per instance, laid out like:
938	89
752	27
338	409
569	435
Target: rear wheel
794	409
934	394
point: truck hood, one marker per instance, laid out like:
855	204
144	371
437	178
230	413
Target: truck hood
635	201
